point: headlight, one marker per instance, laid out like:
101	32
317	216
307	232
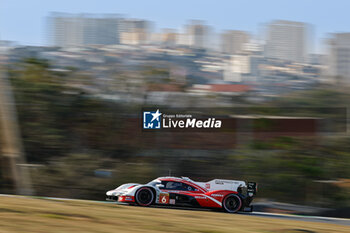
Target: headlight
110	193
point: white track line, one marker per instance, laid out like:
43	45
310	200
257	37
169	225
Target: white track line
302	216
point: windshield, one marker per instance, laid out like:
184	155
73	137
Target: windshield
154	182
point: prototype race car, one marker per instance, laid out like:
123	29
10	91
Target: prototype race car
230	195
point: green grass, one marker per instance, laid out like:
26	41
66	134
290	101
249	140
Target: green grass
43	216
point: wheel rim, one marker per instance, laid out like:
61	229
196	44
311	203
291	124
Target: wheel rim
232	203
144	196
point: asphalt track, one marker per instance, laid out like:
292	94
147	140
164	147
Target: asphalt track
339	221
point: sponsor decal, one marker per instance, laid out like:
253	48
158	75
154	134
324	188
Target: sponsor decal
216	195
125	198
207	186
164	198
225	181
172	201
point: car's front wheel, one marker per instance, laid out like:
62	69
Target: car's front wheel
144	196
232	203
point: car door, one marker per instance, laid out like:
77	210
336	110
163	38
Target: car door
180	193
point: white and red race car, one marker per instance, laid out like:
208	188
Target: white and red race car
230	195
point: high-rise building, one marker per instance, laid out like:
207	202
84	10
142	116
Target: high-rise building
66	30
339	58
169	37
242	67
103	31
237	66
232	42
286	40
134	31
197	34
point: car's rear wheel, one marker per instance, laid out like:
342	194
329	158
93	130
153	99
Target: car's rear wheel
232	203
144	196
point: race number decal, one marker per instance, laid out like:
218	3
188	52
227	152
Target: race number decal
164	198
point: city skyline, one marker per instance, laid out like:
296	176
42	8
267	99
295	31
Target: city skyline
26	24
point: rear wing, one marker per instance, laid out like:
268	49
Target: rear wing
252	188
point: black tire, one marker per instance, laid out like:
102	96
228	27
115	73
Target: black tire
232	203
144	196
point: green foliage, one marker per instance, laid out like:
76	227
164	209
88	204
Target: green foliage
74	176
73	134
56	118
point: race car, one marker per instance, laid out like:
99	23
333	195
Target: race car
229	195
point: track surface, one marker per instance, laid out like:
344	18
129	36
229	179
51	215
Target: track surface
339	221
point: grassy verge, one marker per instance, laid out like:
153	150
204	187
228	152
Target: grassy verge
39	215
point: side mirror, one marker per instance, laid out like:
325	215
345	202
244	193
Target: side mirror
159	186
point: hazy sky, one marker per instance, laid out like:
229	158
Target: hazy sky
24	20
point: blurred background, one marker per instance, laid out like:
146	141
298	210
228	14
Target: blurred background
74	78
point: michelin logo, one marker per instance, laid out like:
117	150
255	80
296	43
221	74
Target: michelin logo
152	120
